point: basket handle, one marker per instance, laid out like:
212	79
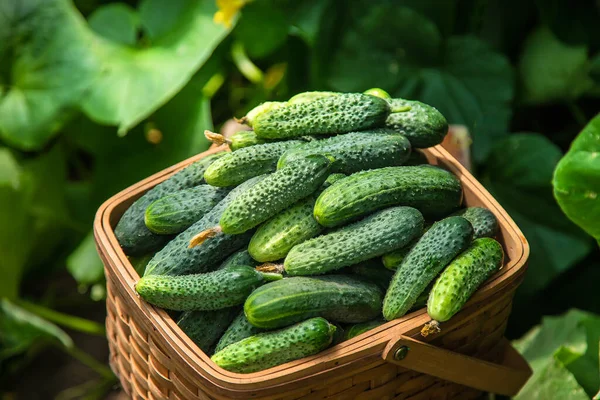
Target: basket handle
506	378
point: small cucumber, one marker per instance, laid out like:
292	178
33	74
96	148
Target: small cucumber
461	279
206	327
131	231
178	211
239	329
241	257
307	97
432	253
209	291
355	151
260	109
239	166
359	329
378	92
377	234
236	141
270	349
373	271
422	124
483	220
339	298
433	191
345	112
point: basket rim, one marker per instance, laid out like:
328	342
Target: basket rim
197	365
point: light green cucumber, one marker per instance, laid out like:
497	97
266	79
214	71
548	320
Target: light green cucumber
270	349
265	107
307	97
422	124
378	93
432	253
206	327
483	220
239	329
358	329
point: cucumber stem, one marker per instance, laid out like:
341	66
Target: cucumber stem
271	268
271	276
216	138
204	235
430	328
243	120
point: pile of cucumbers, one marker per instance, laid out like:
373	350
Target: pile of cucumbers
324	221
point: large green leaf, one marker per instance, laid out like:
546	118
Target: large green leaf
273	23
117	22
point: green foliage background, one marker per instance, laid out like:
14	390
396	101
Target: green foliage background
86	86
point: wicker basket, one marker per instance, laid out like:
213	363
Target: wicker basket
156	360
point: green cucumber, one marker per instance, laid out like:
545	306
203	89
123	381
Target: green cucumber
177	258
394	258
422	124
239	329
377	234
433	191
483	220
270	349
236	141
345	112
178	211
355	151
378	92
139	263
432	253
339	298
416	158
206	327
241	257
461	279
131	231
209	291
239	166
275	193
359	329
373	271
307	97
262	108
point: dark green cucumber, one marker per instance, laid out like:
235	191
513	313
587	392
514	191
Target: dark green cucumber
275	193
483	220
342	113
416	158
139	263
377	234
239	166
339	298
422	124
432	253
270	349
178	211
241	257
359	329
209	291
177	258
131	231
239	329
206	327
394	258
433	191
373	271
355	151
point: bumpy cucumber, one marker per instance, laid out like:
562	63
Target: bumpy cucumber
275	193
373	271
131	231
307	97
483	220
260	109
359	329
355	151
178	211
239	329
394	258
416	158
269	349
423	125
340	298
241	257
206	327
209	291
325	115
377	234
433	191
461	279
432	253
238	166
177	258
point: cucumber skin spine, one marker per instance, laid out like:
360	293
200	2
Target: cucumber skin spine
352	111
377	234
270	349
432	253
483	220
339	298
462	278
423	125
206	327
238	330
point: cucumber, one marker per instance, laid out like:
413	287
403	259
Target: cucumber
483	220
355	151
416	158
176	258
394	258
373	271
378	92
241	257
131	231
432	253
270	349
359	329
345	112
239	166
236	141
307	97
422	124
339	298
260	109
139	263
461	279
206	327
178	211
377	234
209	291
239	329
433	191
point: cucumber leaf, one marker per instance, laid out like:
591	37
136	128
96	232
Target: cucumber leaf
274	26
117	22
